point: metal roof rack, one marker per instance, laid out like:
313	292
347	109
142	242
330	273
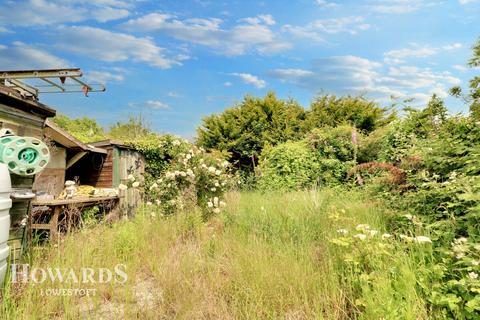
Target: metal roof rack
33	82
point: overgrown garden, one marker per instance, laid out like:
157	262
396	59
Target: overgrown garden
342	210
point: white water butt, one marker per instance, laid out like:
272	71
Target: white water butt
5	205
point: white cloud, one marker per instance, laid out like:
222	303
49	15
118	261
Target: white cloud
156	104
251	79
107	14
112	46
452	46
104	76
286	74
151	104
326	4
356	75
262	18
467	1
23	56
397	6
315	30
53	12
252	34
460	68
227	84
399	56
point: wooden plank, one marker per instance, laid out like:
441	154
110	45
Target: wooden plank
75	158
57	202
54	223
116	167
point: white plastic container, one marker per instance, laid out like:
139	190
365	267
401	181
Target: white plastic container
5	205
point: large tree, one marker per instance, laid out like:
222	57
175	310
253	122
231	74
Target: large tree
246	128
329	110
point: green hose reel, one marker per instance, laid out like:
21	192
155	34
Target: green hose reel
24	156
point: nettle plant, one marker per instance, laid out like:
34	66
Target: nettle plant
195	178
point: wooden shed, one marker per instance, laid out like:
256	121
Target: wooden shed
26	117
66	153
121	161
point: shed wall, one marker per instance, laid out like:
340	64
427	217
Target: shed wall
26	124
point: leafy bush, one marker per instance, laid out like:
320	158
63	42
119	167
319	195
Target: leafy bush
194	179
330	111
159	151
334	151
244	130
288	166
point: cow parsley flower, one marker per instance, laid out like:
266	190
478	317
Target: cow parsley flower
473	275
422	239
360	236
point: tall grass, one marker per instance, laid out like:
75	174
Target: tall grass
268	256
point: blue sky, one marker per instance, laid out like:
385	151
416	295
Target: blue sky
177	61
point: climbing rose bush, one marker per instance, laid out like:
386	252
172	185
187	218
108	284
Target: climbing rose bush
195	178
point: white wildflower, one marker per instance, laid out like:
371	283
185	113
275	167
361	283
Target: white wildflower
176	142
408	216
153	214
342	231
422	239
386	236
372	232
149	203
183	174
122	187
362	227
223	203
136	184
218	172
211	169
217	184
406	238
131	177
209	204
154	186
213	189
460	240
360	236
158	202
473	275
475	262
216	210
215	201
188	157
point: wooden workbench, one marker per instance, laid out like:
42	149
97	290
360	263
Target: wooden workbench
58	205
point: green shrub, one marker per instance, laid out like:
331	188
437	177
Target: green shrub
195	178
335	153
288	166
159	151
